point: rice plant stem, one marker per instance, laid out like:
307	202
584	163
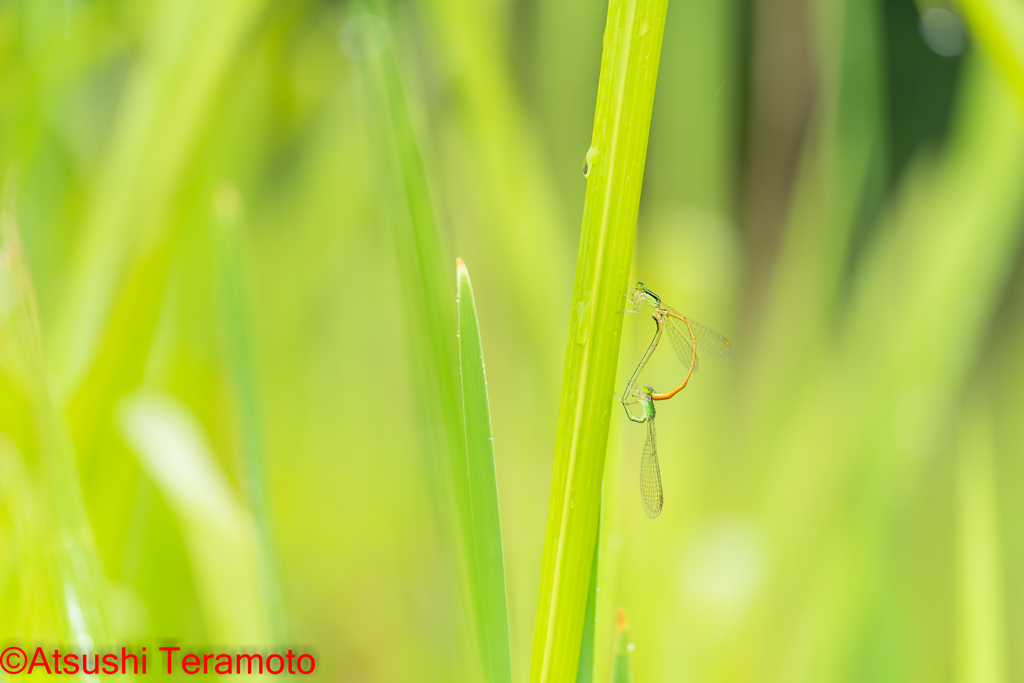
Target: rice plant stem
615	163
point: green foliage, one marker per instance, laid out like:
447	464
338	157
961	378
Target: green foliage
982	638
999	27
166	104
488	561
235	426
622	656
41	480
219	533
614	171
233	288
585	672
431	321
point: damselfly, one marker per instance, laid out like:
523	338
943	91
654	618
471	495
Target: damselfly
651	493
687	337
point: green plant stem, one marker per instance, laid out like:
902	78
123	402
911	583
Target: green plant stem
629	69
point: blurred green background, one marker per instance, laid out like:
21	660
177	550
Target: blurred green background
209	430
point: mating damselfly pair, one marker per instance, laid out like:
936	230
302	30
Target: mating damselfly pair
687	338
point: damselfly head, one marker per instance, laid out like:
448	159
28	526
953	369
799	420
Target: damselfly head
641	288
648	389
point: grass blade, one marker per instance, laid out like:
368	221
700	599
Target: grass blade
167	99
941	242
982	623
77	580
622	661
492	609
511	178
838	183
428	311
234	300
998	26
629	68
586	671
174	451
